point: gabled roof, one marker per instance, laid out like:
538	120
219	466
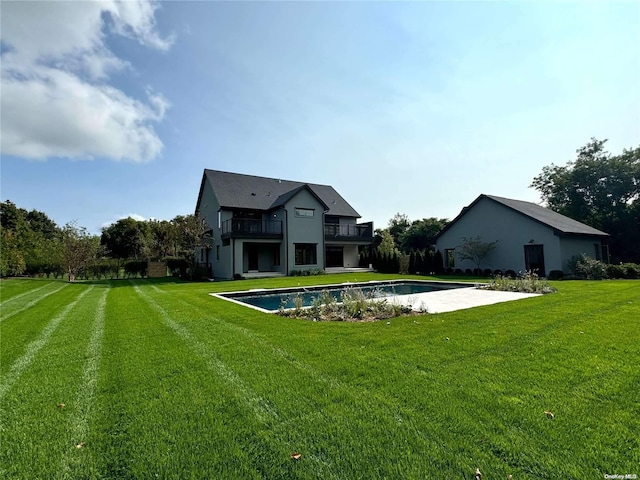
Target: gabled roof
285	197
238	191
561	224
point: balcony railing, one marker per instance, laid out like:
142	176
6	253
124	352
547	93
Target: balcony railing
363	231
252	227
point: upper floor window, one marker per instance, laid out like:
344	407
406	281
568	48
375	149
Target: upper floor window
304	212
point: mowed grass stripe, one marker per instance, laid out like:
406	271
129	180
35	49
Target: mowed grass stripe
76	464
160	412
7	381
264	411
5	301
431	362
314	401
6	315
36	430
258	405
18	332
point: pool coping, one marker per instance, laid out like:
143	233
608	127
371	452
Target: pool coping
228	296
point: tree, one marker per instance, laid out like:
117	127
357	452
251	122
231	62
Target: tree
475	249
127	238
193	233
163	238
421	234
601	190
29	243
387	244
79	248
398	225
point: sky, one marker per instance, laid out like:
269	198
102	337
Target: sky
114	109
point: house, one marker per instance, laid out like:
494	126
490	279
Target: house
529	237
272	225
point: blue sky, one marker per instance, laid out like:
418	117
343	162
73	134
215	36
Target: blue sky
115	109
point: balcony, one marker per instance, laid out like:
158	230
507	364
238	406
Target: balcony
251	228
362	233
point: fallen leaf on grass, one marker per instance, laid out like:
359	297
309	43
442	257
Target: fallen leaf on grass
296	456
61	406
549	414
80	445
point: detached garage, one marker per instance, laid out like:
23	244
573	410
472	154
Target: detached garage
530	237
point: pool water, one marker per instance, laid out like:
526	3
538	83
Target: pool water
273	300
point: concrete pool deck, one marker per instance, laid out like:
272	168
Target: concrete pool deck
457	299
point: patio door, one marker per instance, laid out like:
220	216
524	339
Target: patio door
252	253
334	257
534	259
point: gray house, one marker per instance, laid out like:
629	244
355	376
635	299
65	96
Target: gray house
272	225
530	237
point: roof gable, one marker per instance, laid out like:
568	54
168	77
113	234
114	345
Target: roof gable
235	190
285	197
561	224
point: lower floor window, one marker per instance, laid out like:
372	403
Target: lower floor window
306	254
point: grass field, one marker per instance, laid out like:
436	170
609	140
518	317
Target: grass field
161	380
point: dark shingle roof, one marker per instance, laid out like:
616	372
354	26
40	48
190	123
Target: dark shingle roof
544	215
235	190
562	224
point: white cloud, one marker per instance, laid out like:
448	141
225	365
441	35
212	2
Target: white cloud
135	216
55	99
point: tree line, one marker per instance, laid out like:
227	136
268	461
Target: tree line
33	244
597	188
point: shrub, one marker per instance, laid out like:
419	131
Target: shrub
134	268
583	266
307	273
615	271
528	282
510	273
354	305
631	270
177	266
555	275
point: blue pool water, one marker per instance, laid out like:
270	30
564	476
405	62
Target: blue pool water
272	300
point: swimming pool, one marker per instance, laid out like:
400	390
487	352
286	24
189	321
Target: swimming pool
273	299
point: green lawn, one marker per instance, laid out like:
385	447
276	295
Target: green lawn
161	380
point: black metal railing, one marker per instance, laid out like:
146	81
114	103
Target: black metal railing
251	226
355	231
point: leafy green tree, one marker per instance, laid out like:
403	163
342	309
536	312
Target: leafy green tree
421	234
601	190
127	238
475	249
387	244
193	233
163	238
398	225
79	249
29	241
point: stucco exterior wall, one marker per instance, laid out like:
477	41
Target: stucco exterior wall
493	221
208	209
350	256
304	229
570	246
